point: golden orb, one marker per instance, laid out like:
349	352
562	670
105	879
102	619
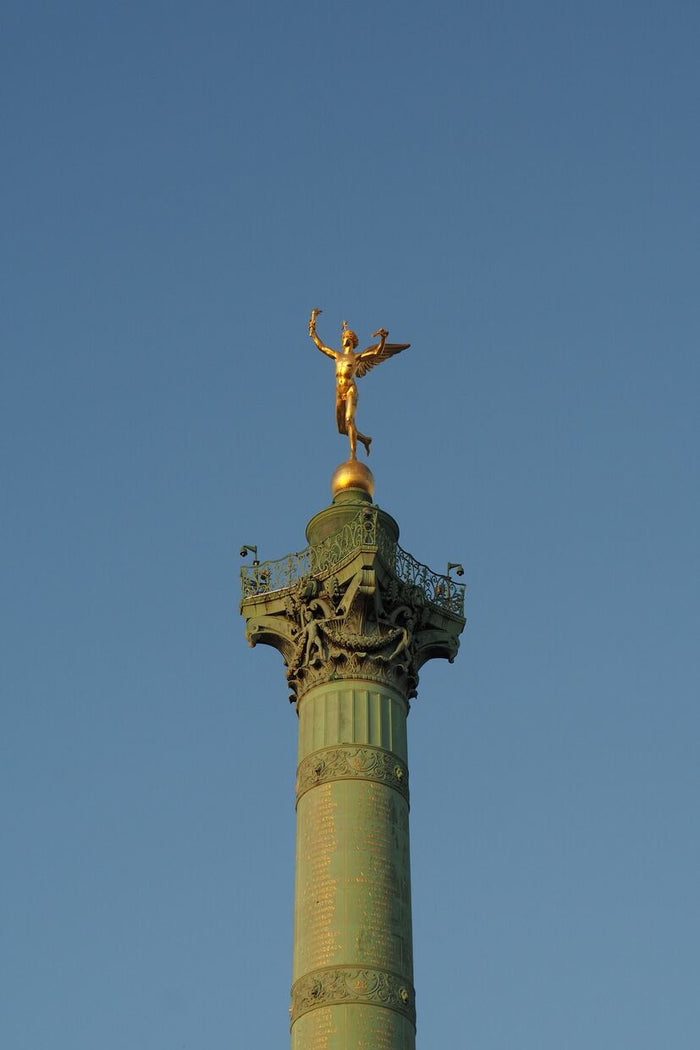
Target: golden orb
352	475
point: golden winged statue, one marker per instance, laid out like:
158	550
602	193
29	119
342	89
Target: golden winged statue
350	366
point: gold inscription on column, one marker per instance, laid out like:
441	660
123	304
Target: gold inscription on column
318	925
377	1030
382	886
320	1031
353	886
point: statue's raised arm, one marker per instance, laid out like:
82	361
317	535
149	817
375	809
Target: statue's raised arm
327	350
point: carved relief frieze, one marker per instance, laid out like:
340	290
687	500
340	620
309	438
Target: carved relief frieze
349	762
353	984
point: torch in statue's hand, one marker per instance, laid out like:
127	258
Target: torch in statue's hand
312	321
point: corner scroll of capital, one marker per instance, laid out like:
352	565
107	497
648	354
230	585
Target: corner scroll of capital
359	628
349	762
353	984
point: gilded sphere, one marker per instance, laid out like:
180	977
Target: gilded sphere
352	475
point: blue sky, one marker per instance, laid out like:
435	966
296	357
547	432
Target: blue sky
514	190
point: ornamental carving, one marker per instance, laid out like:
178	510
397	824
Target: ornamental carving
353	984
353	606
349	762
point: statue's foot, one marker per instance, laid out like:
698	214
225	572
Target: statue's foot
366	442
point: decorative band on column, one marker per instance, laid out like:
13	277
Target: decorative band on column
349	762
353	984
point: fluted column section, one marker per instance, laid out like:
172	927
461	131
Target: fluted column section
353	958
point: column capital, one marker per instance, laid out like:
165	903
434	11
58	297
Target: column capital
353	605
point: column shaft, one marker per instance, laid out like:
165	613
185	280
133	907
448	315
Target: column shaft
353	960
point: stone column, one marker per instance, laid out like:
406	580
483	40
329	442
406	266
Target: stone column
354	617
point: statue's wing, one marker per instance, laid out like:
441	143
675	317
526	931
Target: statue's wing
373	356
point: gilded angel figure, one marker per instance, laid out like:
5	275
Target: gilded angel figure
350	366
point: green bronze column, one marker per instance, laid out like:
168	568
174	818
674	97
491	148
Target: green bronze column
355	617
353	962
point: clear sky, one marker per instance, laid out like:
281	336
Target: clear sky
513	189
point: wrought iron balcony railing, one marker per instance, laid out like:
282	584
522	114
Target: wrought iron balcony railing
361	531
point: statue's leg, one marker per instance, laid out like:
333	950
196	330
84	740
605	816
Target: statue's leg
340	414
352	434
355	434
366	441
350	428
